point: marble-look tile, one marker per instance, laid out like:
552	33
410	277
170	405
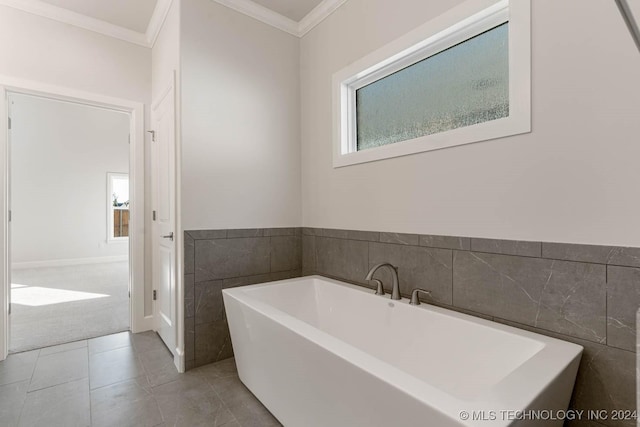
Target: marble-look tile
213	342
614	255
12	397
113	366
582	422
346	259
308	255
247	410
63	347
286	253
561	296
159	367
191	401
189	364
189	253
208	302
146	341
18	367
272	232
126	404
458	309
446	242
623	300
110	342
246	280
625	256
507	247
282	275
605	380
245	232
63	405
60	368
400	238
189	296
335	233
370	236
207	234
213	371
418	267
189	339
223	258
311	231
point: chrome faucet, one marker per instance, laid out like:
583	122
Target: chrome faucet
415	300
395	293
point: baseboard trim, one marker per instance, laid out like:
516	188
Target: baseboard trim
68	262
179	361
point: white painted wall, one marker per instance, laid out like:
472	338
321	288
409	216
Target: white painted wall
573	179
240	121
165	55
60	156
47	51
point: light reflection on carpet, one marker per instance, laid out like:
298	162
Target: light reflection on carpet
36	296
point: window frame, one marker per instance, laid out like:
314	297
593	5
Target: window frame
110	229
455	26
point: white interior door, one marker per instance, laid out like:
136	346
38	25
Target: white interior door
164	203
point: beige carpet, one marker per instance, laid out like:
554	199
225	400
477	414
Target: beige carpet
55	305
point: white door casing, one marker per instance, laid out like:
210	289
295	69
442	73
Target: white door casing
163	162
139	322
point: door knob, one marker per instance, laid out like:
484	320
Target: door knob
168	236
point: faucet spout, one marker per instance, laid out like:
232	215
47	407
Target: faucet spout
395	292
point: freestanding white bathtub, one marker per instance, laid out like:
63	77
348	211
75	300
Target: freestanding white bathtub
318	352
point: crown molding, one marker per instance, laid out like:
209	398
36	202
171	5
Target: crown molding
157	20
263	14
246	7
268	16
46	10
317	15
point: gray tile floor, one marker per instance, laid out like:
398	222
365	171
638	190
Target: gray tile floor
122	380
47	306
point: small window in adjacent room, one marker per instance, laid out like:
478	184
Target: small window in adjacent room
118	206
461	78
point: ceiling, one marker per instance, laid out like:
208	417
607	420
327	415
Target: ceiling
292	9
140	21
132	14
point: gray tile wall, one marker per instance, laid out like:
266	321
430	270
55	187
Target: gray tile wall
219	259
579	293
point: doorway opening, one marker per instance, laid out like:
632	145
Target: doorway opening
69	198
43	262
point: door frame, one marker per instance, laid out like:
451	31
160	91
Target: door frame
138	321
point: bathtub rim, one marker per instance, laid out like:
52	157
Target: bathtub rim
534	372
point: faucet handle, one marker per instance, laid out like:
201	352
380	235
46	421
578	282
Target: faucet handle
379	288
415	300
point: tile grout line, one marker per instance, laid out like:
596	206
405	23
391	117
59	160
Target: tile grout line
452	282
24	402
89	384
606	305
223	402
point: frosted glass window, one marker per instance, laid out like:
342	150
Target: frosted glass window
461	86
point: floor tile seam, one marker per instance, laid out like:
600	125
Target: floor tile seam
17	381
59	384
110	349
120	382
223	402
